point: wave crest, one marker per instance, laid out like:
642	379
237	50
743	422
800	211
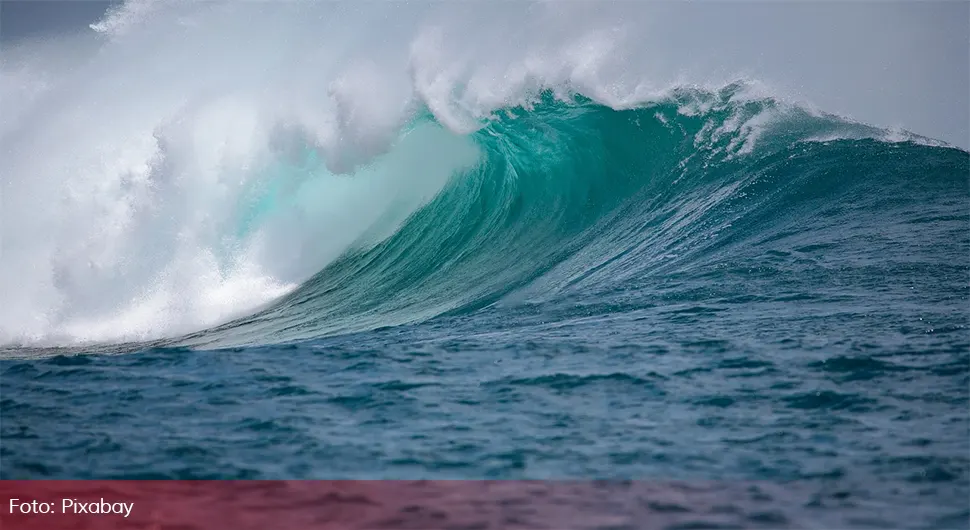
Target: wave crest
272	150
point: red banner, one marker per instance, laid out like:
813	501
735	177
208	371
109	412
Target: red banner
423	505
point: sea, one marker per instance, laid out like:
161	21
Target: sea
702	285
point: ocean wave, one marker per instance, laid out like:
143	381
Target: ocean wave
220	196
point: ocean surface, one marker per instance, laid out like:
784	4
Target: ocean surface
708	285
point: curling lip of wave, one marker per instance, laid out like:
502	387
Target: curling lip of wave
562	190
208	214
540	212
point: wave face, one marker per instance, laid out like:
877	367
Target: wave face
570	201
307	190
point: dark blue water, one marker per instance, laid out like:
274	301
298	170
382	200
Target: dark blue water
607	294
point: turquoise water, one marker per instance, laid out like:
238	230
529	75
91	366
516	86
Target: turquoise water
686	290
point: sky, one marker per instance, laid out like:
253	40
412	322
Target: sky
40	18
901	64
